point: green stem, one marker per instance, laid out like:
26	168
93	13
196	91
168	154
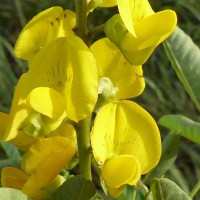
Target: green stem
84	147
134	194
83	126
195	189
81	19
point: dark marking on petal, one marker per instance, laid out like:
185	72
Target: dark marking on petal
138	76
60	84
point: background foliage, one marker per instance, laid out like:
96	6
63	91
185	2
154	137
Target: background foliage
164	93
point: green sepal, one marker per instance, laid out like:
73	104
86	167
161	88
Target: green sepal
115	29
34	126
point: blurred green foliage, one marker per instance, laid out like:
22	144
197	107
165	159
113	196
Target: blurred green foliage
164	93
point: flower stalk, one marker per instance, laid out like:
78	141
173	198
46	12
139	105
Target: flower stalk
81	19
83	127
84	147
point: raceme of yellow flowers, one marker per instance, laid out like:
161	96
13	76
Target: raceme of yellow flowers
67	79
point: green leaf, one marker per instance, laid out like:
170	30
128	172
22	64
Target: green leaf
12	194
10	150
169	154
10	163
76	188
164	189
183	125
185	58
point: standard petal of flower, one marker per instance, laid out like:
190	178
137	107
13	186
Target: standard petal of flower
112	64
45	159
13	178
124	128
121	170
39	31
133	11
47	101
68	66
67	24
85	80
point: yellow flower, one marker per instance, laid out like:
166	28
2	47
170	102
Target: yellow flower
19	112
61	82
126	144
43	28
41	165
68	69
24	124
126	80
137	31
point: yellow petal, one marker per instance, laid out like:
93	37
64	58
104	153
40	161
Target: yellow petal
47	101
102	134
53	186
13	178
23	141
45	159
67	24
4	120
35	193
150	32
53	124
132	12
68	66
124	128
39	31
65	130
111	63
85	84
108	3
114	192
19	111
121	170
137	57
